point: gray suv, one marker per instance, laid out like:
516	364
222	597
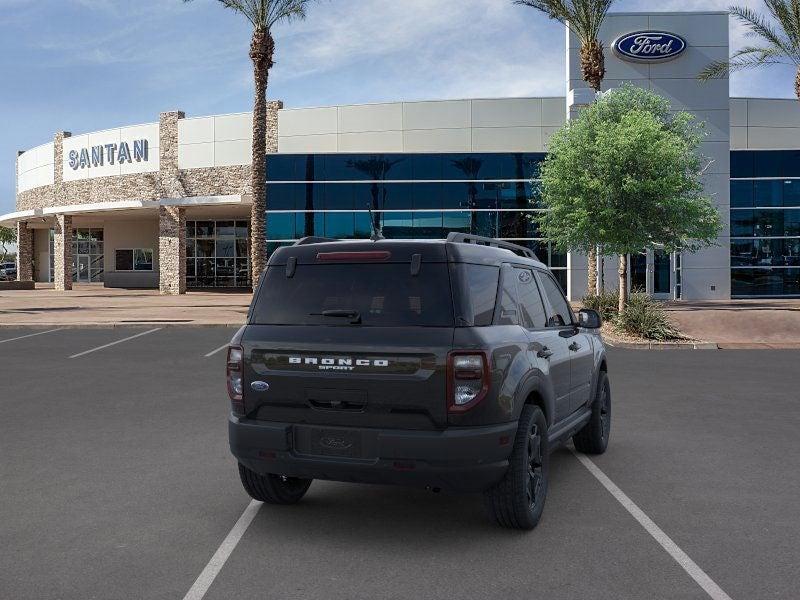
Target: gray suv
451	365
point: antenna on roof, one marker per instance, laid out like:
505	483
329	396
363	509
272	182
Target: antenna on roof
377	234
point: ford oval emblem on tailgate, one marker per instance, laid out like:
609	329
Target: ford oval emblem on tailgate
335	443
259	386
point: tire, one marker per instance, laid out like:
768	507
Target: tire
593	438
518	500
273	489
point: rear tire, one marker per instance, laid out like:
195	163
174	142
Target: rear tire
273	489
593	438
518	500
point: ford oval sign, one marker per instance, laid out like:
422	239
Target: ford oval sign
259	386
649	46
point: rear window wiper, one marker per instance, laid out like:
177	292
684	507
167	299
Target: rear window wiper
353	315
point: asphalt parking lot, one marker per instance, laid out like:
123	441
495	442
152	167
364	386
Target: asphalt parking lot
116	482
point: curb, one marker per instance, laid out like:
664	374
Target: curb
664	345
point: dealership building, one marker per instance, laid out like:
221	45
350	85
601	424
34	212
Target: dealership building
167	204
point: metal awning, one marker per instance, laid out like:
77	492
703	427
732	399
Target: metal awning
11	219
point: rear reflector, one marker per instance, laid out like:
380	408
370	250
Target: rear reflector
354	256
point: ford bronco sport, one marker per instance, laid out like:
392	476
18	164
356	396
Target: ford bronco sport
454	365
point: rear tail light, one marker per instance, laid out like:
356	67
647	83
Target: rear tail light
467	379
233	373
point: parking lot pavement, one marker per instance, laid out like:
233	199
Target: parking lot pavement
117	483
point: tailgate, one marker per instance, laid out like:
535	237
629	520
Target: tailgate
384	377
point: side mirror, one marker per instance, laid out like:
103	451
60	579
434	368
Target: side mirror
590	319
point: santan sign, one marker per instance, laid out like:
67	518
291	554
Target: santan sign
97	156
649	46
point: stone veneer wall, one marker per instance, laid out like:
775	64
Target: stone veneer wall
24	252
169	182
171	250
62	251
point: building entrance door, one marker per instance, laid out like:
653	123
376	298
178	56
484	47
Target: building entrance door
83	269
652	272
662	272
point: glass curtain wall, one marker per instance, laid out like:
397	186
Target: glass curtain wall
217	254
411	196
765	223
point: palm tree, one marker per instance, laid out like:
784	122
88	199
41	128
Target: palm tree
780	42
584	19
263	15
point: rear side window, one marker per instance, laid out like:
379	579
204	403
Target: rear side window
561	314
383	295
477	293
508	314
530	300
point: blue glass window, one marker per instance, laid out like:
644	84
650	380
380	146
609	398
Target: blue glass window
741	194
282	196
742	164
426	166
455	195
340	196
765	282
768	163
791	192
398	225
428	225
458	221
768	193
400	196
339	225
280	226
281	167
426	195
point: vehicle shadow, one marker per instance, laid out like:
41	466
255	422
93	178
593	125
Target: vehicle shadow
392	516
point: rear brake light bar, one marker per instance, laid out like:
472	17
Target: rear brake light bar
468	379
234	375
354	256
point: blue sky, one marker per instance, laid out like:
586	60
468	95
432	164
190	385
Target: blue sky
84	65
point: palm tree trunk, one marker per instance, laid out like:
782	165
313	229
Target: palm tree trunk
593	67
591	281
797	84
623	282
593	70
261	52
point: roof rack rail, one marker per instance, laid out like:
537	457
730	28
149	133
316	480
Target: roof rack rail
465	238
312	239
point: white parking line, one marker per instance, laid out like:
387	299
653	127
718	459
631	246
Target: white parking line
695	572
115	343
214	566
22	337
213	352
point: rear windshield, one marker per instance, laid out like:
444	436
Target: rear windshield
384	295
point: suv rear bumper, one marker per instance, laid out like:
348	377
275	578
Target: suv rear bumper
468	459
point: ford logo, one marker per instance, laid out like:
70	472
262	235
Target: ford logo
259	386
335	443
649	46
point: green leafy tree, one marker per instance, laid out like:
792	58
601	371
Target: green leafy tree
263	15
584	19
8	236
778	40
626	175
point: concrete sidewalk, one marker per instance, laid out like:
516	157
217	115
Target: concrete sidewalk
740	323
93	305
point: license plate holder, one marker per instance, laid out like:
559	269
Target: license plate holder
343	443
